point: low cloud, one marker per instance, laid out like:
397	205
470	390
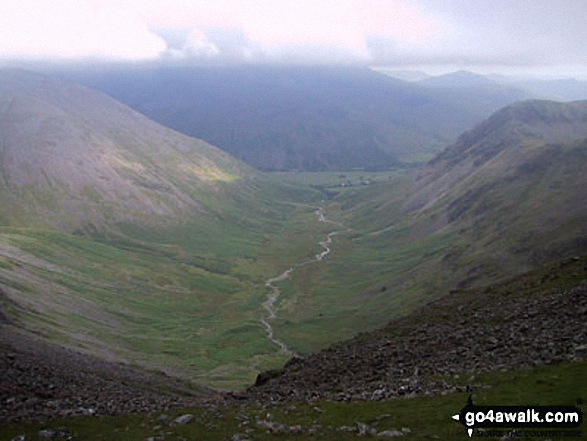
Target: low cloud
226	45
381	32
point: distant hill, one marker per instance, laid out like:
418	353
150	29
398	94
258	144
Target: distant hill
74	158
302	118
557	89
457	79
561	89
406	75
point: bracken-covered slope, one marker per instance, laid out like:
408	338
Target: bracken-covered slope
71	157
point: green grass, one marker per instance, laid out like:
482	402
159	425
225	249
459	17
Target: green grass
196	288
394	260
158	309
376	272
171	298
188	298
426	417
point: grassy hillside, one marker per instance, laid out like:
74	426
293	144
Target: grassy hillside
126	239
72	158
417	417
513	184
508	196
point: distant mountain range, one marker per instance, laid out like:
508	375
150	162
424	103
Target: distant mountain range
303	118
136	242
562	89
459	79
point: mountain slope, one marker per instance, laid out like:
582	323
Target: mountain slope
129	241
71	156
512	187
457	80
41	380
508	196
564	89
540	320
521	139
302	118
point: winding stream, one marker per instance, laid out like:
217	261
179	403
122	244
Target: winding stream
269	305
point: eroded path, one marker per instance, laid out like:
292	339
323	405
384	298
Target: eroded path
269	305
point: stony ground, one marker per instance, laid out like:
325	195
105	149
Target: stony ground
419	355
461	334
39	380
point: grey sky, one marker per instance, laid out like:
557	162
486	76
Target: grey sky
512	33
481	35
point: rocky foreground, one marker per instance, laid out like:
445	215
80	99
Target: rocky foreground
40	381
533	320
517	325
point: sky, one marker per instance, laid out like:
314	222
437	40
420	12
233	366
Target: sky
502	36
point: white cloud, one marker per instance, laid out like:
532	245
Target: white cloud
197	44
278	26
258	28
73	29
506	33
400	32
311	31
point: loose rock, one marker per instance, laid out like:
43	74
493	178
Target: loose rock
184	419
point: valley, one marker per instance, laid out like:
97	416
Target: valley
127	242
269	220
351	393
269	305
160	306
